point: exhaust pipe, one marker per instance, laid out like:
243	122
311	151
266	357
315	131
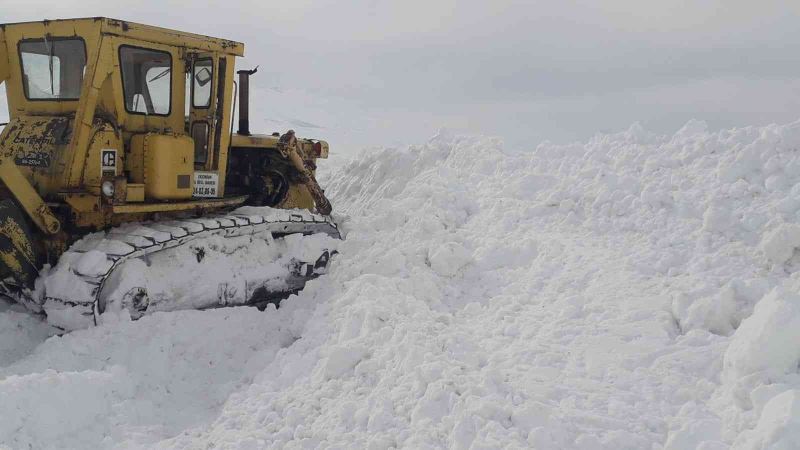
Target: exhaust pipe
244	101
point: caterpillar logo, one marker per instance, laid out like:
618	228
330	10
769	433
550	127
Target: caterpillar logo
36	141
108	161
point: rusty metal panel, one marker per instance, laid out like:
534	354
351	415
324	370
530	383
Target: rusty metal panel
255	141
35	145
206	204
165	36
27	196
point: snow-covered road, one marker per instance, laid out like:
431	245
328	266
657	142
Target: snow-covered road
605	295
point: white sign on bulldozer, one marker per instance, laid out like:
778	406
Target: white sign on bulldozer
206	184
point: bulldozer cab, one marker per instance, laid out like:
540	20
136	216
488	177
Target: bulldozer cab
159	98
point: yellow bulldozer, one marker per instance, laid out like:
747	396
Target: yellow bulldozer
124	187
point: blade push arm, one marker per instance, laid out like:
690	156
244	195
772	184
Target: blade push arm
287	145
26	195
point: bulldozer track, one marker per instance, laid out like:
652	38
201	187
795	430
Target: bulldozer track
142	239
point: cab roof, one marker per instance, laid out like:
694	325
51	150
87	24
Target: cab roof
127	29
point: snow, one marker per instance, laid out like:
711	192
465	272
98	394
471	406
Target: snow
135	381
779	425
779	244
766	340
633	291
20	332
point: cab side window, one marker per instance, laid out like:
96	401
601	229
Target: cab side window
202	75
146	80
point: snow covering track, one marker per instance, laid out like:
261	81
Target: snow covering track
636	291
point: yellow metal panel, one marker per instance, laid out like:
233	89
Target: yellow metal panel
107	102
168	166
99	66
225	125
157	161
135	193
255	141
134	163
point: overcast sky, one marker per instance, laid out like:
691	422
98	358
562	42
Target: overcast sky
523	70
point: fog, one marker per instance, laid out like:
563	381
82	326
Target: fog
372	72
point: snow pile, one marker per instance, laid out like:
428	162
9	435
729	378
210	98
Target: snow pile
761	369
767	340
720	212
635	291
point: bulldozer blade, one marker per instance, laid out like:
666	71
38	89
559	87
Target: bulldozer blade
288	145
17	256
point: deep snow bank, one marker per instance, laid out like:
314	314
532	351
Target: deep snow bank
580	296
635	291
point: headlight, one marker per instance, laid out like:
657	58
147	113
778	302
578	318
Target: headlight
108	188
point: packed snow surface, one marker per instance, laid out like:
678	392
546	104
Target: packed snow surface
636	291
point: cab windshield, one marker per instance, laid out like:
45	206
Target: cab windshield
52	69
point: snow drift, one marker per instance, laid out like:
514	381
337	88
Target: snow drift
634	291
